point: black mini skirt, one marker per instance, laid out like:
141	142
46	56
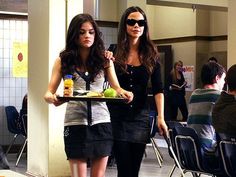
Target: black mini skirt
82	141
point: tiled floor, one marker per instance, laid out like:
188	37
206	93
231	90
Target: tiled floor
149	167
14	171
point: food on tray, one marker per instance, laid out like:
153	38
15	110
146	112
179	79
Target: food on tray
87	93
94	94
110	92
80	92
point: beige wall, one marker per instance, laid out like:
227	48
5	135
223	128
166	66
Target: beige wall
38	113
122	5
108	10
171	22
185	51
218	23
202	23
174	22
218	46
231	33
141	3
47	25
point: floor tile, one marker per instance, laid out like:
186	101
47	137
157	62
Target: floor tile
149	167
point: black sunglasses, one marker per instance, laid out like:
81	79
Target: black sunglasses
132	22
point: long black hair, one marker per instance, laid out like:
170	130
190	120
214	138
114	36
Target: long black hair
70	56
147	49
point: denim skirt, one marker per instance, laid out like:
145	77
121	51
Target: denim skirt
82	141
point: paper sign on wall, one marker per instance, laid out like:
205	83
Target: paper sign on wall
188	72
20	59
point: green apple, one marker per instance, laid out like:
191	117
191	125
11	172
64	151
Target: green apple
110	92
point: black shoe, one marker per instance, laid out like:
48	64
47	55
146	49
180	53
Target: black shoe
5	163
111	161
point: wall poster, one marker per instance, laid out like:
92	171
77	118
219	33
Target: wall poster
20	59
188	72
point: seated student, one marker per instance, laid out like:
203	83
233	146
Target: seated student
3	159
23	113
201	104
224	111
24	104
212	59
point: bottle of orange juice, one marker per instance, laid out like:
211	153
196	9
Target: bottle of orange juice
68	86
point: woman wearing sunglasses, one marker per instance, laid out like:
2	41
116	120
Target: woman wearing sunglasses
136	63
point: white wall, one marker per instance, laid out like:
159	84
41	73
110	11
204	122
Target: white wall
12	88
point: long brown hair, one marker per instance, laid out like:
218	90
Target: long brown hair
174	71
70	56
147	50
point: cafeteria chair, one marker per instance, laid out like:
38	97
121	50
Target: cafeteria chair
3	159
227	146
23	120
170	140
189	153
153	130
16	125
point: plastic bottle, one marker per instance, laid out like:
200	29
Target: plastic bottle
68	86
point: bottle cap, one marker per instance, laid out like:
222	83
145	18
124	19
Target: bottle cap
68	76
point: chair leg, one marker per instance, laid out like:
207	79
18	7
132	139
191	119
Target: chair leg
176	160
158	156
3	159
195	174
172	170
12	142
22	149
158	150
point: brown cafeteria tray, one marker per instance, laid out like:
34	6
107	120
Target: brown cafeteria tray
86	98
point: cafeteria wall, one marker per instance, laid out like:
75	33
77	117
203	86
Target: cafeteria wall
231	43
47	29
45	121
13	87
187	31
46	39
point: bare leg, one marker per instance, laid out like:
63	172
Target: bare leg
98	167
78	168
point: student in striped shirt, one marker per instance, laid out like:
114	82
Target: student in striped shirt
202	101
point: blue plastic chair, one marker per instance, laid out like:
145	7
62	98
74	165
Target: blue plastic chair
16	125
191	155
171	145
12	123
152	121
227	144
153	131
